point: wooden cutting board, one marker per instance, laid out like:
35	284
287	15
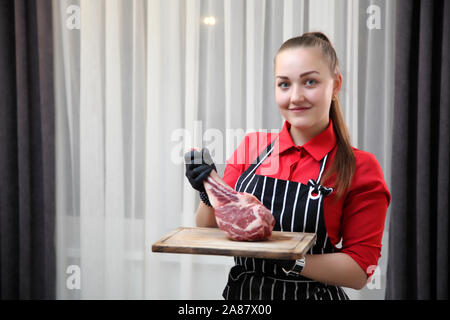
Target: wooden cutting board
213	241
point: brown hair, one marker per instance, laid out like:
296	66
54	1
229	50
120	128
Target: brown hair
344	162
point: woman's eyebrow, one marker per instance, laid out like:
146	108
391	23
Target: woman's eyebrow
309	72
302	75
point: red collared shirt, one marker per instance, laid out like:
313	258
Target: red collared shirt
357	219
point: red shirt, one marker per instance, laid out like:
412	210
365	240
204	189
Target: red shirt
358	218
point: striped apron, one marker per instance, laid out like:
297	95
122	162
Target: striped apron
296	207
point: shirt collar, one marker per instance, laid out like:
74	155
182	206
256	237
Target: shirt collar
317	147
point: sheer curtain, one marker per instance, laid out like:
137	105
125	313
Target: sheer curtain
138	82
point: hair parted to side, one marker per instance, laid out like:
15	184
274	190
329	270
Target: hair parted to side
344	164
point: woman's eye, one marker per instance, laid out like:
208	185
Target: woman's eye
283	84
311	82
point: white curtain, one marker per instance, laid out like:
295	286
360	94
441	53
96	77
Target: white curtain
138	82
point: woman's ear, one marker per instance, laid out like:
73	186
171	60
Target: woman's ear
337	84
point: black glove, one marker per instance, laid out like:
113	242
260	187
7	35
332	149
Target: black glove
199	165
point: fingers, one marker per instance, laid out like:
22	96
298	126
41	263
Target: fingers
207	156
187	157
199	165
198	171
193	157
204	175
197	175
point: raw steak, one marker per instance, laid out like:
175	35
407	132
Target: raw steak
241	215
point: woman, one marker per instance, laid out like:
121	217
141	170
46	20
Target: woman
311	179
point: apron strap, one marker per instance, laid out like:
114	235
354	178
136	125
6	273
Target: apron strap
316	185
256	163
322	167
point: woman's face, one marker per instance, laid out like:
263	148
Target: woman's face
304	88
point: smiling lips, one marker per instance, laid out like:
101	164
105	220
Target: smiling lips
300	109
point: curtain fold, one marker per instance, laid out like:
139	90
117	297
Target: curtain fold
418	237
27	199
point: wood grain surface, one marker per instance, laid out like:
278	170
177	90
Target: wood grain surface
213	241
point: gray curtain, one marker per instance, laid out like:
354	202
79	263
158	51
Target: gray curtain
27	210
418	233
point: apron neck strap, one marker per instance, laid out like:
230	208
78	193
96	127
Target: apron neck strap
323	162
266	152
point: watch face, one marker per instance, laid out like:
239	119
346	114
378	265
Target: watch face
300	261
299	265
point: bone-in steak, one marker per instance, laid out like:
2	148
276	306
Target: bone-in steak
241	215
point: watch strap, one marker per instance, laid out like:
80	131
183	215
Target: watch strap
297	268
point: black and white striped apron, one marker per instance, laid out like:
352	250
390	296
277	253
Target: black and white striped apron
296	207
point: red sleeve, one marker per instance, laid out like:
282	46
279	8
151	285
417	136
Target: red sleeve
231	174
364	212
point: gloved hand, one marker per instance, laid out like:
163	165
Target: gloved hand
199	165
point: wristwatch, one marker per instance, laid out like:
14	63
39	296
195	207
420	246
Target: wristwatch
297	268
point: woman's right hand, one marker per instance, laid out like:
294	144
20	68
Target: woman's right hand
199	165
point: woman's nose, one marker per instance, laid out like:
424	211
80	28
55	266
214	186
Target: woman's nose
297	95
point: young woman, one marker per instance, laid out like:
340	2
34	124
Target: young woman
311	179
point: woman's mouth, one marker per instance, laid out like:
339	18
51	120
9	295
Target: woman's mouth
299	109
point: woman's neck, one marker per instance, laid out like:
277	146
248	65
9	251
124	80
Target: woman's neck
301	136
